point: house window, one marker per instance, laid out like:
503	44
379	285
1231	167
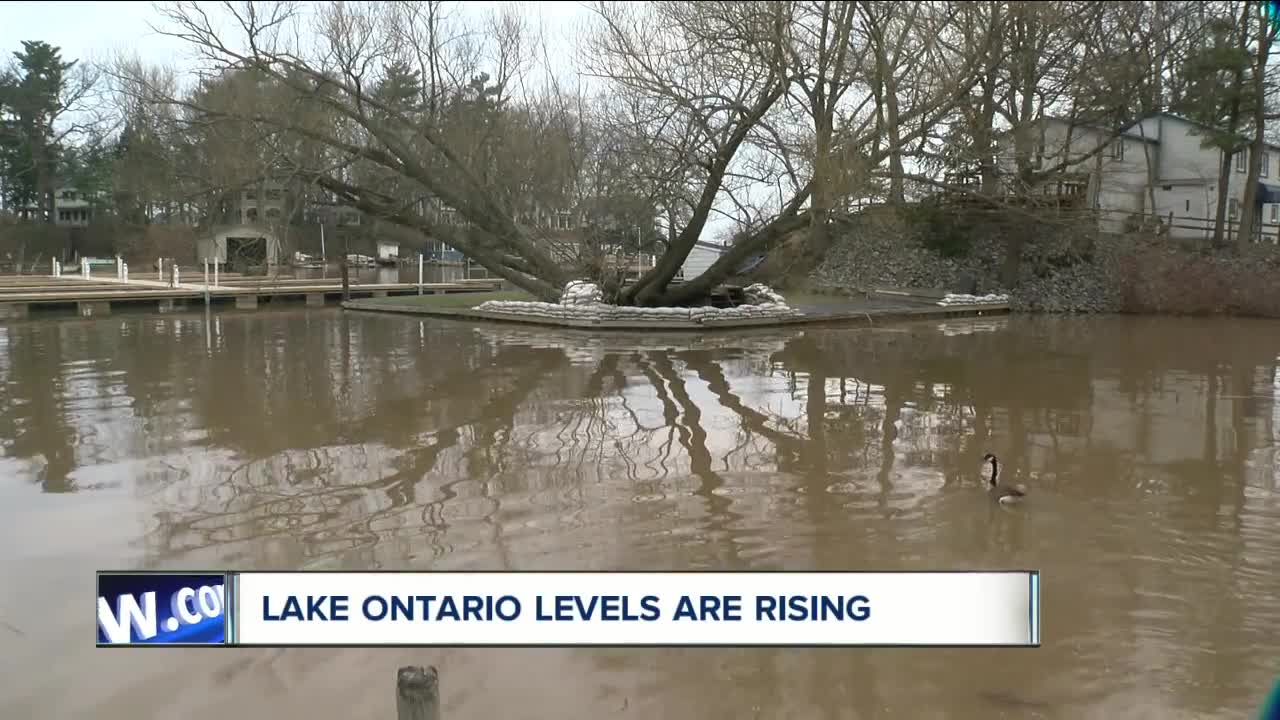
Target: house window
273	213
251	214
1117	150
273	194
250	194
68	194
1241	157
1233	208
1275	213
1266	160
562	220
1188	207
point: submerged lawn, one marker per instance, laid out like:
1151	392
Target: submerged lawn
455	300
462	301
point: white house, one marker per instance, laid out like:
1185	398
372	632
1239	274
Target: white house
70	207
702	256
1186	179
1157	160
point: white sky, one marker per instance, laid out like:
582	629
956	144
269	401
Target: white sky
97	30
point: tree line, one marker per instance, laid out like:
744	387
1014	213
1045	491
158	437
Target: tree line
776	116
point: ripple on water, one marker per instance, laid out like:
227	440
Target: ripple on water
1134	523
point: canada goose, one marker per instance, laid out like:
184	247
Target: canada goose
1006	494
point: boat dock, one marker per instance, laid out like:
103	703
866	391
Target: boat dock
20	294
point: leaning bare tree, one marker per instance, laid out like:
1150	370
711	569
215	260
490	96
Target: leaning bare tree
436	127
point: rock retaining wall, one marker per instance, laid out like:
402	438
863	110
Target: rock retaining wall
1063	271
880	250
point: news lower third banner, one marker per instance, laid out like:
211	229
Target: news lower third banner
541	609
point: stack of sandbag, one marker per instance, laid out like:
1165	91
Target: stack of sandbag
761	294
958	299
579	309
581	292
515	307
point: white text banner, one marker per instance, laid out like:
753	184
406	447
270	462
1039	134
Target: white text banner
638	608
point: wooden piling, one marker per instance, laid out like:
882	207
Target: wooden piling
418	693
346	275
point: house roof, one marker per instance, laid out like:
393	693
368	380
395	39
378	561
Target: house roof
1128	132
1132	132
1203	126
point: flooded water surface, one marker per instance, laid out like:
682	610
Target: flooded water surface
320	440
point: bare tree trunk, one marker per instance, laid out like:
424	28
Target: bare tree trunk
993	37
896	193
1151	174
1233	125
1249	211
1220	214
820	208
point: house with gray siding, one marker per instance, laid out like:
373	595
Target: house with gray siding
702	256
1156	166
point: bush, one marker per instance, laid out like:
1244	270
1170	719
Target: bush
1163	279
943	230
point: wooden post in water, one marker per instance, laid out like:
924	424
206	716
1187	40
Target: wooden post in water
124	272
419	273
418	693
206	282
346	276
160	270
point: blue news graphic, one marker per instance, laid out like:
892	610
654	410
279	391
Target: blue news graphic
161	609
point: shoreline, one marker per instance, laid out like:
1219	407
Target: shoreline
841	314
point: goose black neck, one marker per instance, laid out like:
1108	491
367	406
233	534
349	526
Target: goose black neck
995	471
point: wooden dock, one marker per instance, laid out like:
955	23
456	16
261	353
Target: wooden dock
20	294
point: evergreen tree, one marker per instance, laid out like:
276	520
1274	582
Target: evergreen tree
1216	94
30	102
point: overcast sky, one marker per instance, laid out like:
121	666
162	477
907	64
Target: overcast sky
97	30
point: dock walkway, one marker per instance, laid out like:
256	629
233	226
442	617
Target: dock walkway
19	294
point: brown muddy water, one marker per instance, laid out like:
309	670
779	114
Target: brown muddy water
296	439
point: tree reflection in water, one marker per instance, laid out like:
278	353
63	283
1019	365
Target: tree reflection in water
316	439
